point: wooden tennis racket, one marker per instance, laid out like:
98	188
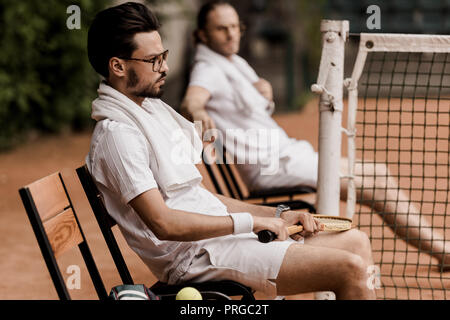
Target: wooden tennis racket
330	223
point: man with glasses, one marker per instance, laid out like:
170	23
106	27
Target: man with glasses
142	158
225	92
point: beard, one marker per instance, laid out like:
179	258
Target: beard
149	91
227	48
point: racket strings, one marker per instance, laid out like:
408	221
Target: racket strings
331	224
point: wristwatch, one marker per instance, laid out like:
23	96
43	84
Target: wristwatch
280	209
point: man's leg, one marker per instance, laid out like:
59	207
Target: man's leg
353	241
396	209
308	268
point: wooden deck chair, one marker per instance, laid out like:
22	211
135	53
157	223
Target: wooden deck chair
210	289
57	229
227	181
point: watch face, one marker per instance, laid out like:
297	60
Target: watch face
281	208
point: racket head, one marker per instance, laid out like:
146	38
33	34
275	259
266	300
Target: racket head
334	223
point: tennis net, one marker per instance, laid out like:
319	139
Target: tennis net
402	124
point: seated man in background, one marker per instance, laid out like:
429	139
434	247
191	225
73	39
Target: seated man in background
225	92
142	158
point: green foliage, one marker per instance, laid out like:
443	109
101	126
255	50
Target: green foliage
310	15
46	81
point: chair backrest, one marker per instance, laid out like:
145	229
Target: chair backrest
227	181
105	222
57	229
224	175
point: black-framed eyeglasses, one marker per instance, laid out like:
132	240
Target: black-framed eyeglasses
157	61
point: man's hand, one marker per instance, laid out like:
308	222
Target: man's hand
193	107
276	225
311	226
207	121
265	88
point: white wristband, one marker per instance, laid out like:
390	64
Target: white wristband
243	222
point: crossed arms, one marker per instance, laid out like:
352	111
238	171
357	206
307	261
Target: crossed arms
196	98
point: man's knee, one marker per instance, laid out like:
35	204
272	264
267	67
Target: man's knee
360	237
359	243
381	169
354	268
379	172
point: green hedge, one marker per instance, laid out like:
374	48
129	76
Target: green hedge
46	81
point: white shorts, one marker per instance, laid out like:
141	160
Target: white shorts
240	258
300	169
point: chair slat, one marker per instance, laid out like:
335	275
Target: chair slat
238	182
49	196
225	175
63	232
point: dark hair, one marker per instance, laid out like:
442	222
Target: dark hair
202	17
112	31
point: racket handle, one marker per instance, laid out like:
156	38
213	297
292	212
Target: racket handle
266	236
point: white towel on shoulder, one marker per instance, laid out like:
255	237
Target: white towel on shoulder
176	155
241	77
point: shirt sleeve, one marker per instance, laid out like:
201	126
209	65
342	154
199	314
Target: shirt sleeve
121	162
207	76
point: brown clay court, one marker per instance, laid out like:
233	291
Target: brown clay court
24	273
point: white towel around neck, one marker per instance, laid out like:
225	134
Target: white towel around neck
238	72
176	155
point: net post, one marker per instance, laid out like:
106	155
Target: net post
352	87
330	86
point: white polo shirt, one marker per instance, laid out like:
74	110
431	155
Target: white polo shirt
297	160
119	161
